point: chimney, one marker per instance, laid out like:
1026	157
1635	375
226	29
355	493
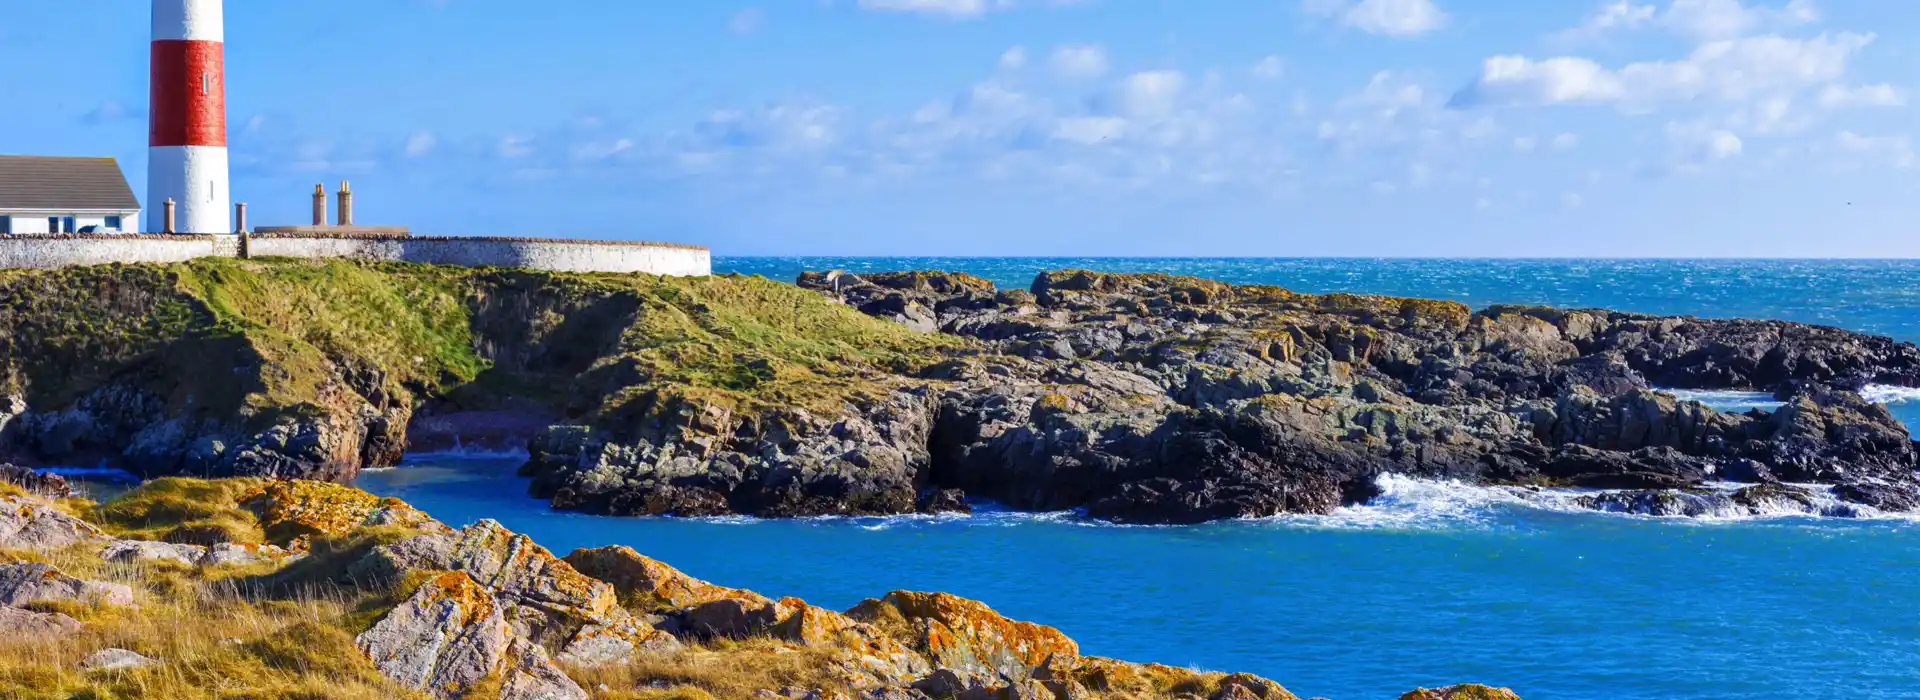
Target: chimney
240	218
167	219
319	205
346	205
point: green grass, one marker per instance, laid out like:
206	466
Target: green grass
250	342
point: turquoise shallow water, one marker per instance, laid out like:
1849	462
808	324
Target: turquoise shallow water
1432	584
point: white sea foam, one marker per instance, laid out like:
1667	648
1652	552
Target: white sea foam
1731	401
468	452
1885	393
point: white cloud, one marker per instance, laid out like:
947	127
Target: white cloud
1079	62
1565	142
961	9
420	144
1735	69
1892	150
1525	144
1090	130
1841	96
951	8
1700	20
1014	58
1269	68
1152	94
1698	142
515	147
1383	17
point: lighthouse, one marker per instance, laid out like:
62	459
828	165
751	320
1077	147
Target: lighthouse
187	128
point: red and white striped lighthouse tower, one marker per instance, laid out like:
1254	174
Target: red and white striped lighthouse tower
187	134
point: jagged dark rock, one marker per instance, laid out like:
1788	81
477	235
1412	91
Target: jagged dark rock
1136	397
1155	398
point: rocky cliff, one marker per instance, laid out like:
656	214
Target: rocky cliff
1149	398
1142	398
257	588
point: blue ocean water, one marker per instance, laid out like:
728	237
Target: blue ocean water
1434	583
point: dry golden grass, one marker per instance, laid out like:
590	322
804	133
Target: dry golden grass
726	670
252	631
212	640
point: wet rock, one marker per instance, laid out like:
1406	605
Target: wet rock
32	582
16	623
115	660
26	523
1888	497
1691	504
944	501
1774	499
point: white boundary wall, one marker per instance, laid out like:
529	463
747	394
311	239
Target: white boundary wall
553	255
538	254
82	249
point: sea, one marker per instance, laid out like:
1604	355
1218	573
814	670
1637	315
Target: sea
1432	583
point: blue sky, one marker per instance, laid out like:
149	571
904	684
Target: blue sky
1043	127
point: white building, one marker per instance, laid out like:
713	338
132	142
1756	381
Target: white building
41	194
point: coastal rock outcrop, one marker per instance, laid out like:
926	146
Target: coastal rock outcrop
1154	398
1132	397
415	607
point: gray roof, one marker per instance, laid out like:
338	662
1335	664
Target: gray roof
64	184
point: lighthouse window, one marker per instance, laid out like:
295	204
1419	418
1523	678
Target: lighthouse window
113	222
206	83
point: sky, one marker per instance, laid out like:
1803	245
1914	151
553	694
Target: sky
1450	128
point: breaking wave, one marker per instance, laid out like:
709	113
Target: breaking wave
1884	393
1727	400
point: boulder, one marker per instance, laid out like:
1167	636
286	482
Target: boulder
1467	691
969	637
530	676
16	623
602	644
295	510
32	582
141	550
115	660
444	638
27	523
730	618
38	483
651	583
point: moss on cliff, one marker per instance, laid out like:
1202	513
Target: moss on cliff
248	344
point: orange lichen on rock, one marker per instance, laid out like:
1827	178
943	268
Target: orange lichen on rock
1464	691
967	635
877	653
289	510
647	583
